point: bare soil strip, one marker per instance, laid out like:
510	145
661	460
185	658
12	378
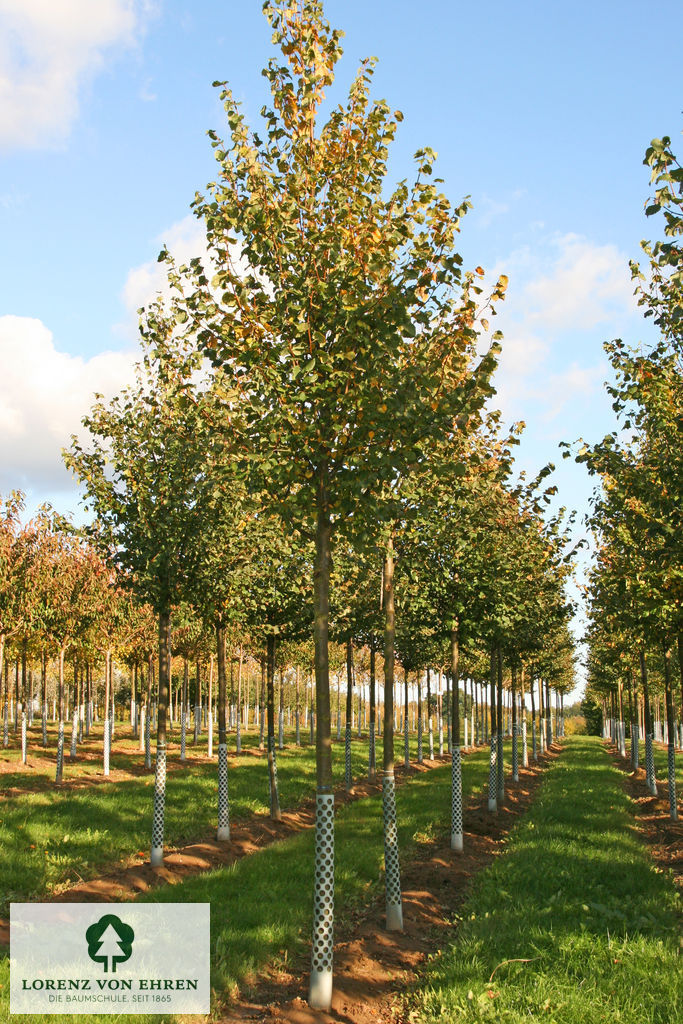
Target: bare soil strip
372	966
663	836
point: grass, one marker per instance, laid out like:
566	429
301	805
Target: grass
574	925
261	906
56	837
53	838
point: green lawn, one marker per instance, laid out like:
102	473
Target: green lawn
574	925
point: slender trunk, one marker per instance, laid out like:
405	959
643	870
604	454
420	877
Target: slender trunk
430	722
298	710
456	763
148	712
197	702
43	691
406	726
238	723
372	767
107	727
24	749
223	830
671	737
392	871
534	748
349	706
320	983
515	749
440	713
209	724
157	852
275	812
499	718
60	727
281	711
262	704
419	719
649	753
522	705
183	710
493	771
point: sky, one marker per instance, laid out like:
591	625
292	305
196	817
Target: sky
539	112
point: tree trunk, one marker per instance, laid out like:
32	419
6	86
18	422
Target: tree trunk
183	710
392	872
493	770
107	726
649	753
223	830
372	766
419	720
209	724
43	695
320	984
270	703
349	706
430	722
499	719
456	763
60	727
406	725
157	852
262	704
238	723
148	712
297	714
515	749
24	750
671	737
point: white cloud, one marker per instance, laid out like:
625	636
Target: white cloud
44	394
184	240
566	295
48	50
586	286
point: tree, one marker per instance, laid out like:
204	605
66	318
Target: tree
148	479
343	315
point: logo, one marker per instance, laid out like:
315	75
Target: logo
110	942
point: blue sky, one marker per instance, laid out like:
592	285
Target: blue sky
541	112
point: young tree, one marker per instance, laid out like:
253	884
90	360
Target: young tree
148	479
342	312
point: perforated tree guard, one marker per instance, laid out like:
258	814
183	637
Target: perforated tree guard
671	779
223	831
392	870
493	774
320	987
157	852
347	757
650	765
456	801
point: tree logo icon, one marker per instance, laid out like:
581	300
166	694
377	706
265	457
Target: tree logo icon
110	941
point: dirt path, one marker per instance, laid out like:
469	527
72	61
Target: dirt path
663	836
372	966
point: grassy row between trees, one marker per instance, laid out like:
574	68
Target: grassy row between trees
54	838
575	925
261	906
